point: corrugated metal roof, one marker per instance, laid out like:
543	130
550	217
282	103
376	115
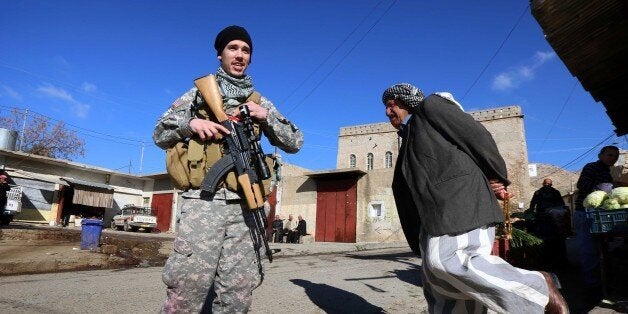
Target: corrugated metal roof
18	173
346	173
591	38
87	183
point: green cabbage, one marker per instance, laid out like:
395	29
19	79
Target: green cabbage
611	204
594	199
620	194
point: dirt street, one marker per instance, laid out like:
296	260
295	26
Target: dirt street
28	249
374	281
32	249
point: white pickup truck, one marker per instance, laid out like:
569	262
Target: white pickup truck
133	218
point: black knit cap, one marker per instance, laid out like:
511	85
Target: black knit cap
230	33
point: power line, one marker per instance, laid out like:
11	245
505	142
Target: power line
559	114
588	151
106	137
579	156
333	52
343	58
496	52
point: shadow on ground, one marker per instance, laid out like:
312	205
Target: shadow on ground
333	300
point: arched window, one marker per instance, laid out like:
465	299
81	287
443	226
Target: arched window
388	160
352	161
369	161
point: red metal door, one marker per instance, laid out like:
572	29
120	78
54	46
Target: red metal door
162	206
336	210
272	201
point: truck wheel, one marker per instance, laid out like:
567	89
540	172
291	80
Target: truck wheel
127	228
113	225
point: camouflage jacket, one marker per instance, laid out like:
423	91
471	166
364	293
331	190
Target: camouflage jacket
173	126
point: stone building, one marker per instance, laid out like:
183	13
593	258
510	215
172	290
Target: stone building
364	167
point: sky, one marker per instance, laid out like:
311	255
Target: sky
109	69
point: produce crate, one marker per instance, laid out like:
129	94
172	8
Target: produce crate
607	220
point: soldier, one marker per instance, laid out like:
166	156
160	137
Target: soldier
214	246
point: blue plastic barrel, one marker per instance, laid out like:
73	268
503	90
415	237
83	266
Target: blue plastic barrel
90	234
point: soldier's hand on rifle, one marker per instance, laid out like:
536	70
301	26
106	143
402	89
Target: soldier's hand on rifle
208	130
258	112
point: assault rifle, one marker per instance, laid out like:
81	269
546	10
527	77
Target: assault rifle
244	155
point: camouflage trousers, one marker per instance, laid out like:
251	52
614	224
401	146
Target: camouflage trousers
213	248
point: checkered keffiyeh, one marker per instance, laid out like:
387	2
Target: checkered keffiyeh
411	95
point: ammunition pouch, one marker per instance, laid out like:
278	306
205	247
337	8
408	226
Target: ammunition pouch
188	162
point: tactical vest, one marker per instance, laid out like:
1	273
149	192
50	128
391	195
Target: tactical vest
188	162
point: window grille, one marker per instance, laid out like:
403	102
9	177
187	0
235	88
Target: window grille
388	160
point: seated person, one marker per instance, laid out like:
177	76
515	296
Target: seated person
277	226
288	226
299	231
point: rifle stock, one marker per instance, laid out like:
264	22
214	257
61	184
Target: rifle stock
208	87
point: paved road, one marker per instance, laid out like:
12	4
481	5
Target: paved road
374	281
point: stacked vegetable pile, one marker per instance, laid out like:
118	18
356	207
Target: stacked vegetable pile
616	199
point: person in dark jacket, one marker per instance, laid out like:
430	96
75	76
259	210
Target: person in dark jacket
546	204
277	226
4	187
300	230
447	181
546	197
594	176
295	233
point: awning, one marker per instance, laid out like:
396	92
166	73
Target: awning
590	39
91	193
344	173
18	173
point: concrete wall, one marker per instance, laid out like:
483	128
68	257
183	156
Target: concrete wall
377	218
296	195
506	126
620	171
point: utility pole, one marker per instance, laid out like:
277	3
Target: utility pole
23	129
141	158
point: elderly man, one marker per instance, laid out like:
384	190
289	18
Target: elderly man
447	179
277	226
288	225
299	231
214	246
